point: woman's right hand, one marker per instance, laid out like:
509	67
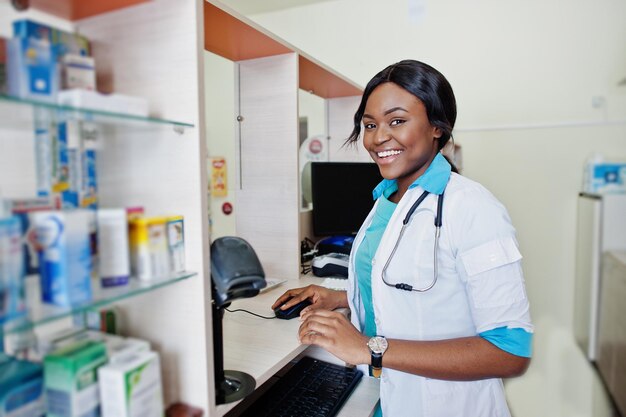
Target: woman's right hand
320	297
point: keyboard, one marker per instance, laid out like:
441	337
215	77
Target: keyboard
310	388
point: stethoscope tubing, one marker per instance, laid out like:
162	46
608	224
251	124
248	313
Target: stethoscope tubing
405	223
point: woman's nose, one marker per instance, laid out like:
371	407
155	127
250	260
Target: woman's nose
382	136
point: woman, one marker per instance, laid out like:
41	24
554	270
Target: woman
450	302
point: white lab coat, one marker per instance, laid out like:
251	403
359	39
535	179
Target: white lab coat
480	287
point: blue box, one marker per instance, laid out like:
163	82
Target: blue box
62	42
32	69
608	177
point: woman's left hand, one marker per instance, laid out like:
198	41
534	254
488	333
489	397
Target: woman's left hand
334	332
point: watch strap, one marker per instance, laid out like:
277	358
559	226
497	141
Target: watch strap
376	372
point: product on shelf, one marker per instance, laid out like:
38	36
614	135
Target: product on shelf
24	208
3	65
65	259
32	69
113	250
106	320
78	72
114	103
149	251
71	379
131	386
45	139
176	243
11	269
21	389
63	42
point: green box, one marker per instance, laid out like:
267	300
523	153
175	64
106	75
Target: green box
71	379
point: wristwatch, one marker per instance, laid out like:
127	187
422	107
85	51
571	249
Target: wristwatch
378	346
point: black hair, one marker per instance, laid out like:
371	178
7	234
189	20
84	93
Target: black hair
425	83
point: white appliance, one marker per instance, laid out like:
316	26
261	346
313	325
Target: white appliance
601	227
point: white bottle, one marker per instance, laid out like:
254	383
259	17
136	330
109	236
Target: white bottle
113	252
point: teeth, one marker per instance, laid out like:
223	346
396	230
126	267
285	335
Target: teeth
385	154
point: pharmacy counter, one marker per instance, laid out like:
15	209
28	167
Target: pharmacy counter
261	347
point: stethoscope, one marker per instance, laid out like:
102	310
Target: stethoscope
405	222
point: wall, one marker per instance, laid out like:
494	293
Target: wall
537	91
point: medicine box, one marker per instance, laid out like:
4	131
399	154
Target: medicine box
176	243
78	72
32	69
21	389
11	270
132	386
62	41
3	65
71	379
113	103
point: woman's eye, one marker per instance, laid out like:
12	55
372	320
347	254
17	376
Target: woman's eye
369	126
396	122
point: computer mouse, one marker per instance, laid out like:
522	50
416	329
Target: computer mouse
293	311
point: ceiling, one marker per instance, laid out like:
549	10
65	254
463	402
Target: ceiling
250	7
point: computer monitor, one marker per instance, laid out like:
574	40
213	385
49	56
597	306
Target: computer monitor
342	195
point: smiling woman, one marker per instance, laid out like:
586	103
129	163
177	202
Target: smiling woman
442	281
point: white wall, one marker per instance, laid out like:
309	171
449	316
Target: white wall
525	74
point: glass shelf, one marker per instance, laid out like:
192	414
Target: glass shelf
17	113
39	313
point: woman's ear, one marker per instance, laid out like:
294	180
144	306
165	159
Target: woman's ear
437	132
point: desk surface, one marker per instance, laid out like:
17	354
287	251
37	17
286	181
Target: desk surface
262	347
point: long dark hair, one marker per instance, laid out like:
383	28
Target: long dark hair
425	83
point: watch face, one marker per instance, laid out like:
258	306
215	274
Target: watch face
377	344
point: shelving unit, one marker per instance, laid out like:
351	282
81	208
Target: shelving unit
155	162
154	49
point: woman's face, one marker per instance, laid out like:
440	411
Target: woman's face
398	135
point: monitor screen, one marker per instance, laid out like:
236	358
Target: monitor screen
342	195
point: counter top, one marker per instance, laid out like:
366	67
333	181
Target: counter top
261	347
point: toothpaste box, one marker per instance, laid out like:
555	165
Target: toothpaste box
21	389
65	258
132	386
71	379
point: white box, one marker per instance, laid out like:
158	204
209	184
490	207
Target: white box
78	72
132	387
114	103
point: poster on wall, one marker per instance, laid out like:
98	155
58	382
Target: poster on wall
219	184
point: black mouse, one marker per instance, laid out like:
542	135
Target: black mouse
293	311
